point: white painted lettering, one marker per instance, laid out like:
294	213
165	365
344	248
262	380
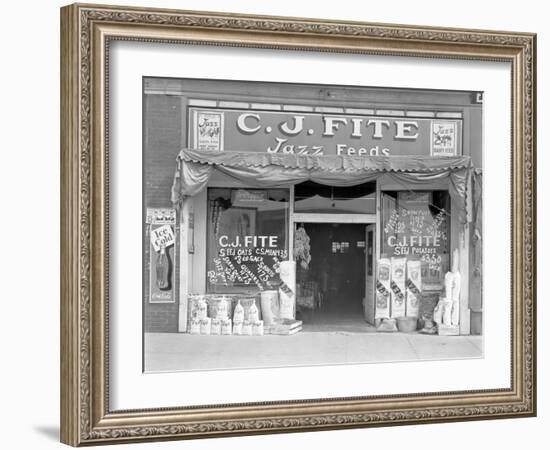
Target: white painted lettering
378	123
331	124
241	123
406	126
298	126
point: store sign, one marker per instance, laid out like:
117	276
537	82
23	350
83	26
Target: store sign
322	134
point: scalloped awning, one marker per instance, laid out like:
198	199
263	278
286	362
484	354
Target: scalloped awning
327	163
270	170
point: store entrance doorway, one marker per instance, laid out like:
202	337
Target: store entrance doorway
331	289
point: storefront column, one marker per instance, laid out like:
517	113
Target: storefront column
185	243
464	258
291	225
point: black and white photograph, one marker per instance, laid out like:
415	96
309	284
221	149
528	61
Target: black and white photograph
266	225
291	224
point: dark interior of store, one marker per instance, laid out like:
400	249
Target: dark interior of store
332	287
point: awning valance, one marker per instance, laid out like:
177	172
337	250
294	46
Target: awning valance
326	163
271	170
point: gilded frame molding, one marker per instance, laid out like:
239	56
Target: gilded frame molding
86	31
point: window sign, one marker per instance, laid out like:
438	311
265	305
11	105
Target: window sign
246	243
415	225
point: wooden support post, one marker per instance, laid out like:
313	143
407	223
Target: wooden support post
184	263
464	257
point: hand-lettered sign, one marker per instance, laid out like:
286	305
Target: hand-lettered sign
416	229
240	255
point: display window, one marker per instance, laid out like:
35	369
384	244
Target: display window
247	237
416	226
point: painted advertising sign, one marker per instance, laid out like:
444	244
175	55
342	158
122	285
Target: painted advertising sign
160	216
208	130
444	138
162	236
162	250
313	133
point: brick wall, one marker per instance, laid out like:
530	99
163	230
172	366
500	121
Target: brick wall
162	142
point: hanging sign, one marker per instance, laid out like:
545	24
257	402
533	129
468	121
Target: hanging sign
248	197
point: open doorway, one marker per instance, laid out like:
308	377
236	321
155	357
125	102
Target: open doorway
331	288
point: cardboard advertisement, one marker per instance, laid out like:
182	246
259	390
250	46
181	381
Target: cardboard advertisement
383	289
398	289
161	225
414	288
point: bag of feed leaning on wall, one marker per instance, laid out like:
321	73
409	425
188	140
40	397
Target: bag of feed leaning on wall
414	287
397	283
383	289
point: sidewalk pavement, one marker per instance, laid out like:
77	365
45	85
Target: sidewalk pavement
181	352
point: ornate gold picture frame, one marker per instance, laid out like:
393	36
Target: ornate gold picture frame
87	33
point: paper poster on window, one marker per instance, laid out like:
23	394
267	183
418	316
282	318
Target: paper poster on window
444	138
208	130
